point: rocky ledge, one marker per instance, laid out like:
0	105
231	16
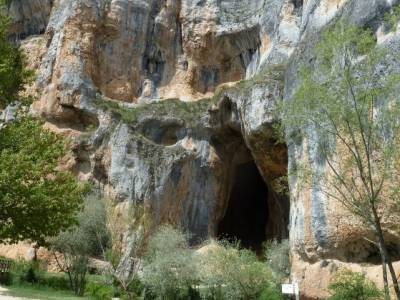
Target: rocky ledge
172	104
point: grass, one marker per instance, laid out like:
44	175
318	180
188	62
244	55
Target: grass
40	292
190	112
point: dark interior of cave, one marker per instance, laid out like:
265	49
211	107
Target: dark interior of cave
247	214
297	3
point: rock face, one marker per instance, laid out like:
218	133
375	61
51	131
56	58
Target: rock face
170	102
29	17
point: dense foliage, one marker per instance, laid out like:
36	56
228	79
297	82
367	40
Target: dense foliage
229	272
37	200
219	270
169	266
353	286
76	246
13	73
278	259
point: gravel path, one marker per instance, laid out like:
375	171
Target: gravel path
3	291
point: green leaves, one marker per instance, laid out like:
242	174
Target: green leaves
13	73
392	18
169	267
349	285
36	198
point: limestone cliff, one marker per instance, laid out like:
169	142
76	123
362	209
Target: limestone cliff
170	102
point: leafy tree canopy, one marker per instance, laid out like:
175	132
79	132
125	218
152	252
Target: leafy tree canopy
36	198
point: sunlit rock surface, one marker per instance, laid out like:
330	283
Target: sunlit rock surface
166	100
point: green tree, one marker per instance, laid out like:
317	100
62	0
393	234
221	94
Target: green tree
13	73
90	238
277	255
37	200
347	108
353	286
169	266
229	272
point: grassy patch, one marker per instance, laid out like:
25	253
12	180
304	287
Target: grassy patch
190	112
40	292
187	111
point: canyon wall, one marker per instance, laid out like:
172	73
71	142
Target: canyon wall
167	100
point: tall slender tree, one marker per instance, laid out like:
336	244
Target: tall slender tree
348	99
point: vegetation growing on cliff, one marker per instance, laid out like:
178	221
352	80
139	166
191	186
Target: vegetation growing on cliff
392	18
13	74
347	108
190	112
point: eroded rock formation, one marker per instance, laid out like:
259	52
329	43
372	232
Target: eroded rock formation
170	101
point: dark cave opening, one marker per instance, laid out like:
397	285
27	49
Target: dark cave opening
252	211
247	214
297	3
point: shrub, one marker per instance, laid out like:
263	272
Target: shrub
6	278
271	292
169	268
55	281
89	239
392	18
228	272
353	286
277	255
133	290
99	291
26	272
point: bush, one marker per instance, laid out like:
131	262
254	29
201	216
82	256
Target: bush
98	291
169	267
33	273
89	239
26	272
277	256
353	286
134	290
55	281
228	272
271	292
6	278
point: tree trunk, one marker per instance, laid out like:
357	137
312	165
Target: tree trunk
384	273
385	252
391	270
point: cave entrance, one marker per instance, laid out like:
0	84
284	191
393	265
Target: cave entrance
247	214
252	212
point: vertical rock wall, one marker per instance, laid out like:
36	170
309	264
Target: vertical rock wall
107	75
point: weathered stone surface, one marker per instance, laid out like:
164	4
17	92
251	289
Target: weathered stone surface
107	73
29	17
